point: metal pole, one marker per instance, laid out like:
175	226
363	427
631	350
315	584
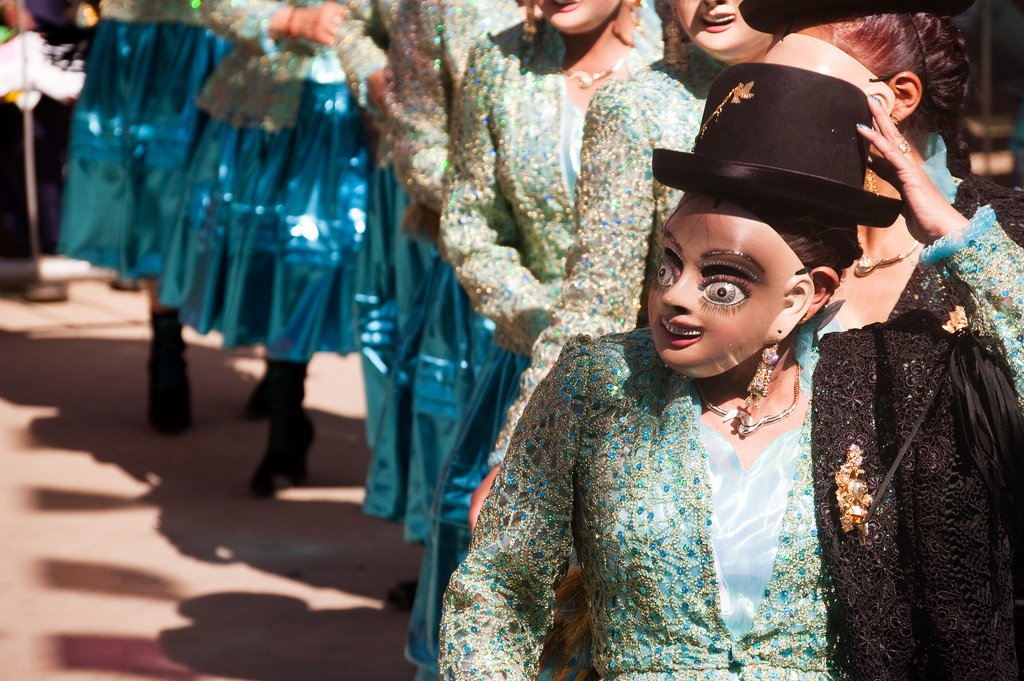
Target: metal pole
986	82
28	130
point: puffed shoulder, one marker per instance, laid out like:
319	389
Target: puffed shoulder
620	366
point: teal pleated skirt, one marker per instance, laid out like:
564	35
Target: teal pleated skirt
393	269
453	348
465	467
133	132
265	249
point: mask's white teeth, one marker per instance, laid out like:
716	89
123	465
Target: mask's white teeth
685	331
716	20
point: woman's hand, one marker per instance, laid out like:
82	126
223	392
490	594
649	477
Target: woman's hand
316	24
929	215
476	502
378	85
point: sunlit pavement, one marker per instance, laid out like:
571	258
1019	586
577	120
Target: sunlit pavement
130	555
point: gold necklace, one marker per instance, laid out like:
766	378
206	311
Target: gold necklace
865	265
587	79
747	426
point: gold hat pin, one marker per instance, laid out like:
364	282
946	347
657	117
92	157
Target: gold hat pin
737	95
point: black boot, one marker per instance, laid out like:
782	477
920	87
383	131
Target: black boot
169	410
257	407
291	431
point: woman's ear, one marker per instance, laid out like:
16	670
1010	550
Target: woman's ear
825	281
906	87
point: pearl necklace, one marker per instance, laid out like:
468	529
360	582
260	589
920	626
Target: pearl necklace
587	79
865	265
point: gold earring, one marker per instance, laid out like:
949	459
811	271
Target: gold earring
637	5
871	181
895	120
758	388
673	44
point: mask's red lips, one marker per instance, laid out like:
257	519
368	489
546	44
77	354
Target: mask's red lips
681	335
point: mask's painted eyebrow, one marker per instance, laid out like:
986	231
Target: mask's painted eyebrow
735	254
665	234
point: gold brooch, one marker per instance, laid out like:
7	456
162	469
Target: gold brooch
852	493
957	320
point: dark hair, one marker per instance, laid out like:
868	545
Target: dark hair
933	48
817	241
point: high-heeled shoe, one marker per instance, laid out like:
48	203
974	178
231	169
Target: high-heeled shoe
170	410
290	431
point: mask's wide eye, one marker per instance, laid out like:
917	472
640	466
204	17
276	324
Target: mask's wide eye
668	270
724	293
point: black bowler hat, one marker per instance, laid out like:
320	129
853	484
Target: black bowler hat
775	16
778	139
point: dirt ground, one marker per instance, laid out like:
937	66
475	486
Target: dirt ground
131	555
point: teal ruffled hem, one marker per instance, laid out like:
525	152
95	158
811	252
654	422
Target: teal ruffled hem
132	137
265	251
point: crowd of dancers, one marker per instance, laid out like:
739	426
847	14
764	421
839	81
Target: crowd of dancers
485	200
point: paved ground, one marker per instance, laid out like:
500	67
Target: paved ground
129	555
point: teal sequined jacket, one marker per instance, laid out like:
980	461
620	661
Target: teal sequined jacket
607	460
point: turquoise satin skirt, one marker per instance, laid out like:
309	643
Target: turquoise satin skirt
393	267
453	348
464	469
265	249
133	132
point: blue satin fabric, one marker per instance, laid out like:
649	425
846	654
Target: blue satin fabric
454	346
132	135
265	251
464	469
376	304
393	267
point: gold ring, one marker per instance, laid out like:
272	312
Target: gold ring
905	147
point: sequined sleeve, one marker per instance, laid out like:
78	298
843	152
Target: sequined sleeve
421	93
478	227
361	46
497	610
615	214
243	21
988	275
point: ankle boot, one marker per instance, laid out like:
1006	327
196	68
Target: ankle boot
291	431
169	410
257	407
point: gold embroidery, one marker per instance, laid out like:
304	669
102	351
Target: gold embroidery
852	493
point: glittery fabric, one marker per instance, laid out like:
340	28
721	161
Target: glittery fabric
428	55
508	223
364	36
988	276
608	460
261	82
152	11
618	213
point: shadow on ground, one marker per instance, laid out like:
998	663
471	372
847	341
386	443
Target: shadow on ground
97	387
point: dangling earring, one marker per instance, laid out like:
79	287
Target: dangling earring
530	22
635	13
673	44
758	388
871	181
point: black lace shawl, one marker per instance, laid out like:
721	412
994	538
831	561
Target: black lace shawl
929	596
